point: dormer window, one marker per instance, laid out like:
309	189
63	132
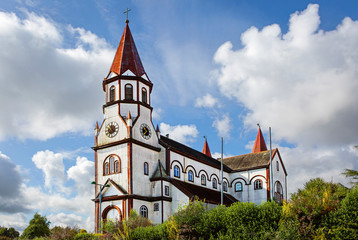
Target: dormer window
112	93
215	183
191	176
176	172
258	184
128	92
144	95
225	186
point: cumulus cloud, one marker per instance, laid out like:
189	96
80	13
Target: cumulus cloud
52	167
303	84
223	125
82	173
207	101
181	133
54	89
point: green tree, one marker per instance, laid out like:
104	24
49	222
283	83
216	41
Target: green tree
38	227
350	173
310	205
9	232
63	233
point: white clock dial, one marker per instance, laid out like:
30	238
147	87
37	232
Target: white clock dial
112	129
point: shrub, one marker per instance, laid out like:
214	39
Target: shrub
38	227
85	236
63	233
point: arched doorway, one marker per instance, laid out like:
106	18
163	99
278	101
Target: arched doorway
113	213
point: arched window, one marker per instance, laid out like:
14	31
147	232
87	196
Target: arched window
106	169
112	164
238	187
278	192
258	184
128	92
176	171
203	180
225	186
144	95
146	168
116	166
112	93
144	211
215	183
191	176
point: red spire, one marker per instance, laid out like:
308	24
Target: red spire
206	149
260	144
127	57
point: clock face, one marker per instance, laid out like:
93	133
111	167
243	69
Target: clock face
112	129
145	131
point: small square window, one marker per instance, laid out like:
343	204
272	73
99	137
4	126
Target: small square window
156	206
166	191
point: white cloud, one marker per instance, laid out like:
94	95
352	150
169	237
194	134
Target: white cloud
223	126
304	85
53	89
52	167
63	220
207	101
181	133
82	173
17	221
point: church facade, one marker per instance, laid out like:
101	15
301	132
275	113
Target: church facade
138	168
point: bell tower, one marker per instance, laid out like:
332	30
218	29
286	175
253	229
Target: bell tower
126	139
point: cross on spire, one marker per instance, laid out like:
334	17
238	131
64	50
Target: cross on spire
126	12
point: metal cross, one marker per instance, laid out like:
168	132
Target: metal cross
126	12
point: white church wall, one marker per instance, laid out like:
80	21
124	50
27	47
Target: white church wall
119	178
179	199
257	196
145	114
129	107
141	182
117	203
279	175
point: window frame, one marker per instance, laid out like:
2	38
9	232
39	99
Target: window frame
258	184
143	211
176	171
203	179
112	93
166	191
190	176
128	91
144	96
156	207
225	186
146	168
238	184
215	183
111	165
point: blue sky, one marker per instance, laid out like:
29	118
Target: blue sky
218	68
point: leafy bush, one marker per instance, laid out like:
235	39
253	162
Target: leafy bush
150	233
9	232
63	233
85	236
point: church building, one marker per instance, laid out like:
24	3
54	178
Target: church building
138	168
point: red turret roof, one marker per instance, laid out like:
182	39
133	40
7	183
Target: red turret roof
260	144
127	57
206	149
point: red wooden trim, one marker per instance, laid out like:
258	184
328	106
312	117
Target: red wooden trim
256	177
127	140
108	208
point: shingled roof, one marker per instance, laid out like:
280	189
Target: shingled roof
249	161
204	194
189	152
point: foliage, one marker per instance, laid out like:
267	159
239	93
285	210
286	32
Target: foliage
351	174
310	205
188	219
85	236
343	223
63	233
8	232
38	227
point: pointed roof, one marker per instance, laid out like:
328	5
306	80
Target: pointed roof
159	173
206	149
260	144
127	57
